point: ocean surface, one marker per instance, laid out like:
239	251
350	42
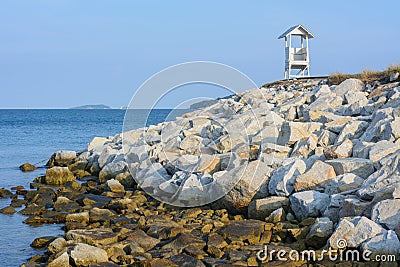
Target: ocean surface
33	136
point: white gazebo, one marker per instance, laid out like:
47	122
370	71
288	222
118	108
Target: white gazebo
297	57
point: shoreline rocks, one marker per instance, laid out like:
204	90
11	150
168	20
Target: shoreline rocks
306	165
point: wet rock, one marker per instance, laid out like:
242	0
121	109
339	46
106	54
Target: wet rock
8	210
95	237
145	241
316	178
5	193
41	242
184	240
354	231
57	245
357	166
261	208
63	204
114	186
308	204
32	209
215	240
161	263
319	233
85	255
184	260
100	215
27	167
59	176
246	230
81	217
283	179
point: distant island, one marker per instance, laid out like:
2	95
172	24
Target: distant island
92	107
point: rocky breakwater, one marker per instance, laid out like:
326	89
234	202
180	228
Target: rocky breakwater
300	165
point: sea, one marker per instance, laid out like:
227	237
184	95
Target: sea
33	135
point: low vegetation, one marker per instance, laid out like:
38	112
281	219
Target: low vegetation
367	76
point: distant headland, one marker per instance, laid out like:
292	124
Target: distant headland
92	107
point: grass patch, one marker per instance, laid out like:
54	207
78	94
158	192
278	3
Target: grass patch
367	76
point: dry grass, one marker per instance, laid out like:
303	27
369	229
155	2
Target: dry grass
367	76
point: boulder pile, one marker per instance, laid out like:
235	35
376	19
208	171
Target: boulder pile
300	165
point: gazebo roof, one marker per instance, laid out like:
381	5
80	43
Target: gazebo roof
297	30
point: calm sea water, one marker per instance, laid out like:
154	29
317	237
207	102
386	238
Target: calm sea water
32	136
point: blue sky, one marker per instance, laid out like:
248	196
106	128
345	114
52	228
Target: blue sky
59	54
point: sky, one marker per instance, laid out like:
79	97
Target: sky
61	54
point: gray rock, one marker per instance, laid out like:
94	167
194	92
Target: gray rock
380	127
107	155
355	97
342	183
261	208
308	204
383	244
58	176
349	85
283	179
387	213
334	206
94	237
315	110
352	130
387	175
361	149
326	138
85	255
276	216
357	166
354	231
97	143
61	261
394	77
342	150
316	178
111	170
305	146
62	158
291	132
382	149
319	233
252	182
336	123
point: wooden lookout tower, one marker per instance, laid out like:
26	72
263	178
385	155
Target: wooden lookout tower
297	59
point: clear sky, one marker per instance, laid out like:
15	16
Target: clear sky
59	53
